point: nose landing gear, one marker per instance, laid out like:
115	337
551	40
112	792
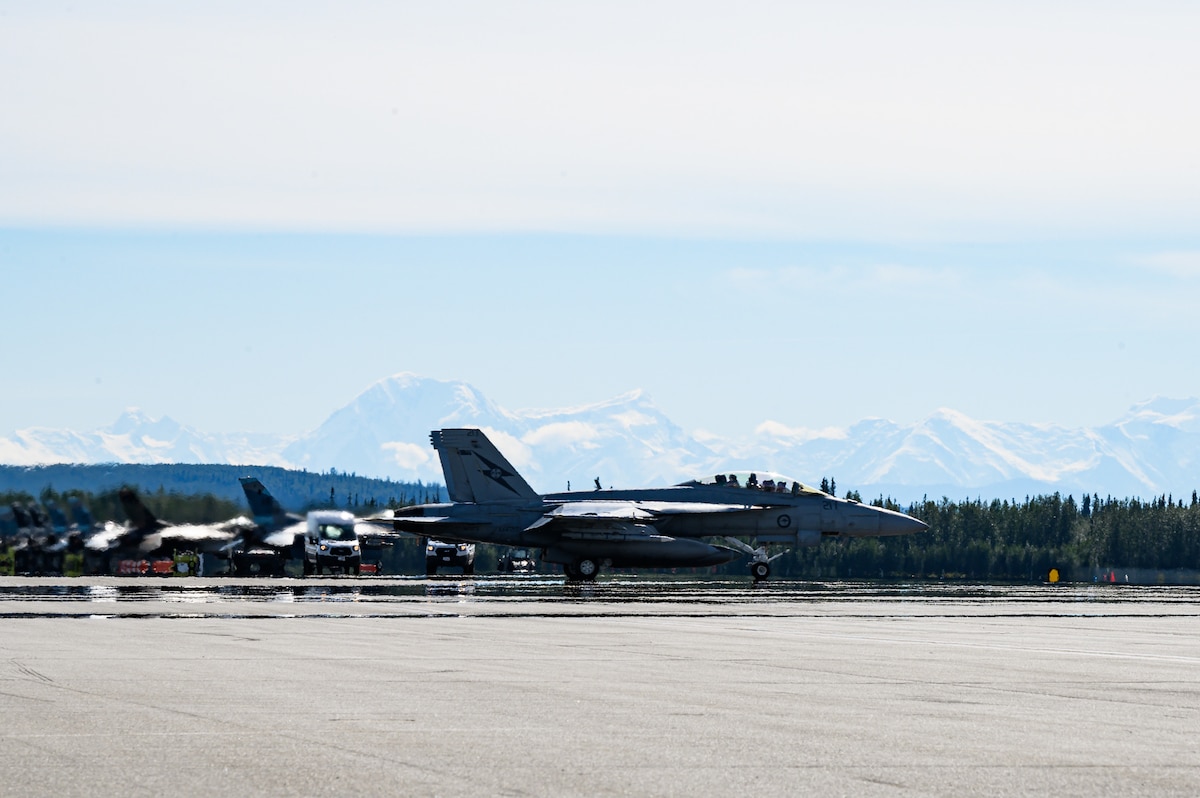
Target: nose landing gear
760	563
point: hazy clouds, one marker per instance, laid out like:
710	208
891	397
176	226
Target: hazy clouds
868	119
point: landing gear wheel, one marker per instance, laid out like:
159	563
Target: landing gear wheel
571	573
587	569
760	571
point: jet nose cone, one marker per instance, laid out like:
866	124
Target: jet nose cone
894	523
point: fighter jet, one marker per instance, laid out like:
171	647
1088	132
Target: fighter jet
585	531
264	548
35	538
145	536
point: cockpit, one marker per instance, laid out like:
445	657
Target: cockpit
765	481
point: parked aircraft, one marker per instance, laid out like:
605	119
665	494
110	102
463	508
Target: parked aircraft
275	537
34	537
144	535
650	527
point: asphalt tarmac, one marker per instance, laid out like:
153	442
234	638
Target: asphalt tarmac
630	686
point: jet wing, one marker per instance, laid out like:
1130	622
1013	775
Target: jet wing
613	519
638	511
187	535
440	527
285	537
433	521
106	537
608	520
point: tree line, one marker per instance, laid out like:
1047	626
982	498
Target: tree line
1018	540
1002	540
296	490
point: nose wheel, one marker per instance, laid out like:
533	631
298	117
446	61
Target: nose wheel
760	562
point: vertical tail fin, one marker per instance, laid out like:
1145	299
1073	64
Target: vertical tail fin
58	519
139	517
81	514
268	512
39	517
8	522
21	513
475	470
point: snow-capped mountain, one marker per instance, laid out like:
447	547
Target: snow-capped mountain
1151	450
384	431
137	438
627	441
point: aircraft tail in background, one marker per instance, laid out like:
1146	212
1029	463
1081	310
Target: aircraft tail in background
81	514
58	519
140	518
268	512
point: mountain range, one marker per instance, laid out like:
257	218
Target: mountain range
627	441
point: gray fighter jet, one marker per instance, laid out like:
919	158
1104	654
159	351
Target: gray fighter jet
644	528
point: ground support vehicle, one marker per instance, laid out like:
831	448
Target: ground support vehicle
517	561
449	555
330	542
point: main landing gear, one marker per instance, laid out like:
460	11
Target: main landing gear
583	570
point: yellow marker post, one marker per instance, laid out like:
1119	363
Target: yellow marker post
1054	576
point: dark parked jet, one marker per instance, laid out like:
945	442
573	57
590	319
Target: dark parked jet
274	538
146	536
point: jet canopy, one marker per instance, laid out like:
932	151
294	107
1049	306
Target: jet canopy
765	481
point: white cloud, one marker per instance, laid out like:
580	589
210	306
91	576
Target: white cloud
632	418
1184	264
795	435
407	455
562	435
513	448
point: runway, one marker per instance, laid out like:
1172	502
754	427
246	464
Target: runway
631	686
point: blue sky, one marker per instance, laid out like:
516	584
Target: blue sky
241	215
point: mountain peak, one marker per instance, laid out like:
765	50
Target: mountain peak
1161	411
134	419
636	397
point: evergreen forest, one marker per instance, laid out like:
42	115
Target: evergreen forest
1090	539
297	491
